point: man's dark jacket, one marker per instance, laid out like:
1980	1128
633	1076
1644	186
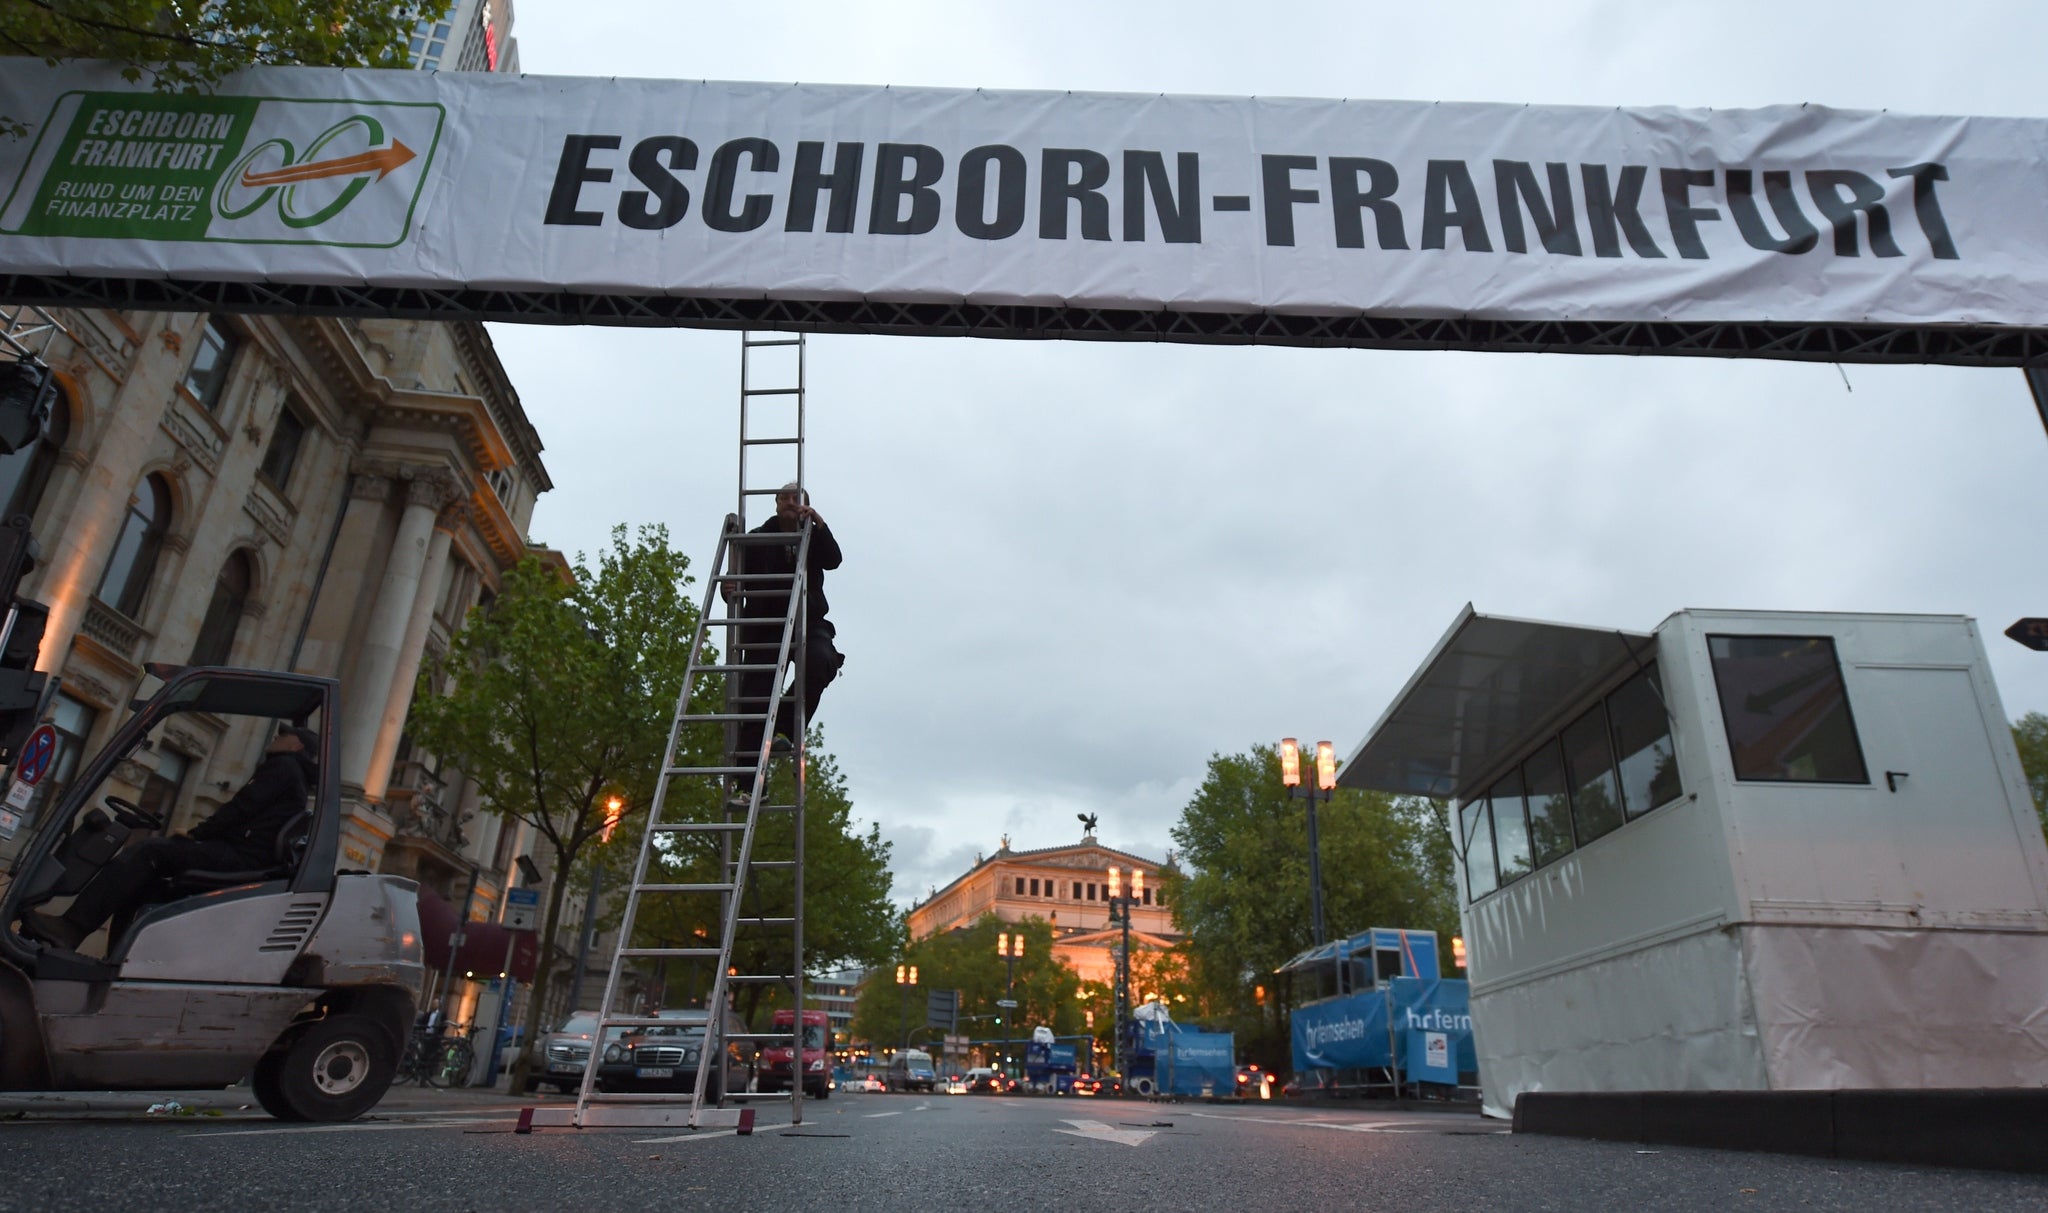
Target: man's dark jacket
781	558
251	819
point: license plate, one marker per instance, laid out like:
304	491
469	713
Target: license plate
561	1067
655	1072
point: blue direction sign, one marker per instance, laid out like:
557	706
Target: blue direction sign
36	755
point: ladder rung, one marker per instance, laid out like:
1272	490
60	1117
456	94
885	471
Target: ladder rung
642	1021
765	537
729	717
788	577
759	492
757	979
773	865
745	1095
639	1096
771	391
746	770
669	953
685	888
745	621
765	922
790	1035
772	442
752	344
695	827
744	667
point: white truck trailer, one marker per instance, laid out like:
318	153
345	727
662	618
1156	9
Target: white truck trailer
1748	851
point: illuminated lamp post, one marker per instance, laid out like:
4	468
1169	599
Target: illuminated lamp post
906	977
614	810
1326	783
1120	915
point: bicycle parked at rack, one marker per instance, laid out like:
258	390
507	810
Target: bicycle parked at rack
441	1058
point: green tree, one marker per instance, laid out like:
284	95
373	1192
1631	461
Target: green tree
1242	896
559	696
184	44
1046	991
2030	734
848	918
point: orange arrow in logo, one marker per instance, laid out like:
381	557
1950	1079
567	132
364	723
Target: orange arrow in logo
381	161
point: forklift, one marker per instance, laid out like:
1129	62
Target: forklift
292	974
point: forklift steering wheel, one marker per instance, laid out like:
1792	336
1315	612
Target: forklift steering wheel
133	815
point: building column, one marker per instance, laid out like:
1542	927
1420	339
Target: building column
383	641
377	778
340	597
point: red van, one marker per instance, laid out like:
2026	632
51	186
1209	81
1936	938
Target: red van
817	1049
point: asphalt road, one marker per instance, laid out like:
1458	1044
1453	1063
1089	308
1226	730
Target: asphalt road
456	1151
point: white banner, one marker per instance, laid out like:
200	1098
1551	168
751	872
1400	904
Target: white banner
649	187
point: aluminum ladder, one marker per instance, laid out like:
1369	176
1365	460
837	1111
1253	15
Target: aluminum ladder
679	829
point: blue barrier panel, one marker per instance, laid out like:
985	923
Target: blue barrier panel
1195	1060
1351	1032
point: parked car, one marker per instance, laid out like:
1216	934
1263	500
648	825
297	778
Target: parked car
559	1057
868	1084
1085	1085
665	1058
956	1085
1254	1083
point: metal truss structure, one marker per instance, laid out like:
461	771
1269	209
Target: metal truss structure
1951	345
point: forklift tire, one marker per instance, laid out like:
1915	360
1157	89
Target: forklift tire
264	1082
335	1068
1142	1087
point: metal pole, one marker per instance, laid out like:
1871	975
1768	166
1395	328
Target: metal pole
1315	871
504	1005
589	937
456	939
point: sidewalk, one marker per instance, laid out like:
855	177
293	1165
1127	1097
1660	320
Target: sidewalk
239	1104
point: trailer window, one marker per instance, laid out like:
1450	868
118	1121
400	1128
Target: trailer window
1510	827
1480	878
1550	812
1786	709
1642	738
1589	771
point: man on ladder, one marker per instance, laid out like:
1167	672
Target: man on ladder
758	643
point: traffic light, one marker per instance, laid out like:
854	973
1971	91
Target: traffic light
21	686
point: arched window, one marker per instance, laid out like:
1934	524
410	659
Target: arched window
126	582
216	642
26	473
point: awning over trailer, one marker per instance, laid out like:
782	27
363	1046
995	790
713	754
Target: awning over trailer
1489	685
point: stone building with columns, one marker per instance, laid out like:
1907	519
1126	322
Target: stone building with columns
1068	887
321	495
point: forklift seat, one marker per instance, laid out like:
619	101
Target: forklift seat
290	847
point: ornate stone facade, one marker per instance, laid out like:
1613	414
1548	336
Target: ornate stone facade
334	495
1066	886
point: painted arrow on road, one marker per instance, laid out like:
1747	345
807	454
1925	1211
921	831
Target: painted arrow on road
1095	1130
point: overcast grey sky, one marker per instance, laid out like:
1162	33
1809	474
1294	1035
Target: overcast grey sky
1075	571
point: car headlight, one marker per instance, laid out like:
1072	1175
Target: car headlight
817	1065
689	1054
614	1053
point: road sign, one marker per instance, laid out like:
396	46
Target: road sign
1006	1002
522	909
36	755
942	1009
2031	632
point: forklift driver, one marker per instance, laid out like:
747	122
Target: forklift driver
241	834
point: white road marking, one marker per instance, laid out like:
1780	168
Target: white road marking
1095	1130
372	1126
1383	1126
879	1115
706	1136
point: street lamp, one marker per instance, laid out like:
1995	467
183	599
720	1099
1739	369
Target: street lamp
906	977
1011	949
1326	784
1120	915
614	810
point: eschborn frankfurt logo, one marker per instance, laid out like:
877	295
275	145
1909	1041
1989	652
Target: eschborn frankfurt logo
142	166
